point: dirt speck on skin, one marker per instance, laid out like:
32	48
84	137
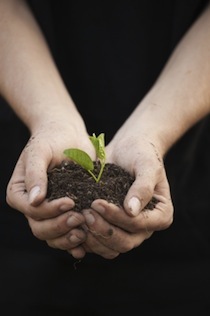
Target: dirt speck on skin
71	180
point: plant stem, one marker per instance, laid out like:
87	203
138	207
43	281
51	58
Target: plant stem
92	174
101	171
97	179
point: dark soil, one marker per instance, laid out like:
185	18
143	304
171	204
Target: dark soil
69	179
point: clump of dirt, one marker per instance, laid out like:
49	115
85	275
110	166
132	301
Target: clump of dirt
71	180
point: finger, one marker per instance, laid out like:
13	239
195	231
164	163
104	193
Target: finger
68	241
44	210
36	158
144	188
159	218
95	246
111	236
57	226
117	216
29	183
77	252
139	195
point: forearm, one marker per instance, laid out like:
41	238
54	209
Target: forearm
181	95
29	80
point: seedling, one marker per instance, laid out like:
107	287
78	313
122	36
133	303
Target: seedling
83	159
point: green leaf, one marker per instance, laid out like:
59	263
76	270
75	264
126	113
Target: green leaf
80	157
94	141
99	145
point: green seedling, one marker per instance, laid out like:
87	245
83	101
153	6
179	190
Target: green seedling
83	159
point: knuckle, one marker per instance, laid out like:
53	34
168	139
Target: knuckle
31	213
35	229
57	228
77	218
146	194
136	226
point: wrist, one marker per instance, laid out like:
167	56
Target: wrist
55	111
158	120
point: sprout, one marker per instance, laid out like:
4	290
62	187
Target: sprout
83	159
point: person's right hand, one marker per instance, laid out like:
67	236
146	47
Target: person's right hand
27	188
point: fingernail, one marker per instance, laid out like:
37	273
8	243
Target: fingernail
35	191
90	219
74	239
70	221
134	205
99	208
65	207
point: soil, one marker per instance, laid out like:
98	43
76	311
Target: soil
70	179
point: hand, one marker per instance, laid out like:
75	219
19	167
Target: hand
63	232
105	237
27	187
142	159
112	230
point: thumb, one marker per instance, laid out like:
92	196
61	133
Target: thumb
36	182
138	196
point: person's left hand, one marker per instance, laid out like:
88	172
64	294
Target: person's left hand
111	231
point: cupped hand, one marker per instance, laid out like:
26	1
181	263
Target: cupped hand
27	188
62	232
142	158
105	237
112	230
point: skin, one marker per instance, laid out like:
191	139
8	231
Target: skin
55	124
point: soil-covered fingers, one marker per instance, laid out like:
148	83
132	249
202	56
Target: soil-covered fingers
94	245
68	241
108	240
45	210
61	234
156	219
56	228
